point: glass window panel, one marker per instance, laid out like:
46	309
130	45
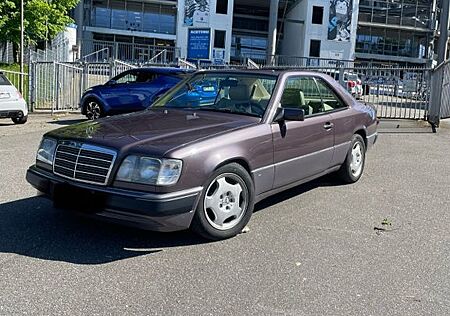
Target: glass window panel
219	39
314	48
409	15
134	16
317	15
222	7
101	15
167	20
118	15
151	18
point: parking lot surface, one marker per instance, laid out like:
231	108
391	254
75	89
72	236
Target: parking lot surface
377	247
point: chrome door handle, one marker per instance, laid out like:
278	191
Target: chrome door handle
328	125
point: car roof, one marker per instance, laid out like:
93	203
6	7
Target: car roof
267	71
161	70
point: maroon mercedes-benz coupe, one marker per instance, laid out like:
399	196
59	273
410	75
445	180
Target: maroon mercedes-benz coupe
188	163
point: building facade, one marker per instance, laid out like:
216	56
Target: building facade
223	31
398	32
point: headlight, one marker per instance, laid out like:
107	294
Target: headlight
46	151
148	170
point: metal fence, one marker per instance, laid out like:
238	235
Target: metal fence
440	93
59	86
401	93
102	51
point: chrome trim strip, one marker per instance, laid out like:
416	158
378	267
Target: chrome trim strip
300	157
304	156
83	164
343	144
293	159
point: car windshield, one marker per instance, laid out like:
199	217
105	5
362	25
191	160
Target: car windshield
246	94
352	77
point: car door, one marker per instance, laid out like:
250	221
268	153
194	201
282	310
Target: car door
117	95
302	148
143	89
341	118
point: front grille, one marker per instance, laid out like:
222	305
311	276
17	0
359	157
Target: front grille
84	163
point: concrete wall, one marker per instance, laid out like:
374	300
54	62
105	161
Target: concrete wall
297	36
216	22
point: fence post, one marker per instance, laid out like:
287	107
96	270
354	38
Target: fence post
437	77
31	85
56	88
112	68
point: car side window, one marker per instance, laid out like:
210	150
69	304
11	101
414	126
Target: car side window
4	81
146	77
302	92
127	78
330	100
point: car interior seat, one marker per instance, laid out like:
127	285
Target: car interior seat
295	98
237	94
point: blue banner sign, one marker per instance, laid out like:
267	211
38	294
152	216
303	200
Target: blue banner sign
198	43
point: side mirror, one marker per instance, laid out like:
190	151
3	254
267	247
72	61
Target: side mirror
111	82
293	114
289	114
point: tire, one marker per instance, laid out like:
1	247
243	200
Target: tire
93	109
222	212
353	166
20	120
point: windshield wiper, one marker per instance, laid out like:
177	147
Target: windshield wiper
225	110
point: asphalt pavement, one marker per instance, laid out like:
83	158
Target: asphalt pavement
377	247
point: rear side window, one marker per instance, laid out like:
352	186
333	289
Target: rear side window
329	98
4	81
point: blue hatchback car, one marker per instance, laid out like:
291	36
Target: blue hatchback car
130	91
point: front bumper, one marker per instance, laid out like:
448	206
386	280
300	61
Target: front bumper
159	212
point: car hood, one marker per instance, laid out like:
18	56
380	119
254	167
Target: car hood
155	131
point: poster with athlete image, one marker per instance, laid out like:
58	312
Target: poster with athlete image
196	13
340	20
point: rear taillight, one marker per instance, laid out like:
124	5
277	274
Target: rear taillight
351	84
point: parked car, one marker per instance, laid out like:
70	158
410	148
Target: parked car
205	166
351	81
354	84
130	91
12	104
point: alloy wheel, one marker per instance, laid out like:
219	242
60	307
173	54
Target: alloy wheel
93	110
356	163
226	201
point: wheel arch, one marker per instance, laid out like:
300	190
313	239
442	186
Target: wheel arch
239	160
88	98
363	133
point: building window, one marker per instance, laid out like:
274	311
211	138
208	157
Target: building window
222	7
314	48
219	39
317	15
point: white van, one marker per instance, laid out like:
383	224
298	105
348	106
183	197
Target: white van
12	104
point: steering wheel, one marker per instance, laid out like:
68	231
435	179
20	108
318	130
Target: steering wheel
250	107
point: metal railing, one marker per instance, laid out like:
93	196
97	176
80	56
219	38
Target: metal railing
395	92
129	52
440	93
59	86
